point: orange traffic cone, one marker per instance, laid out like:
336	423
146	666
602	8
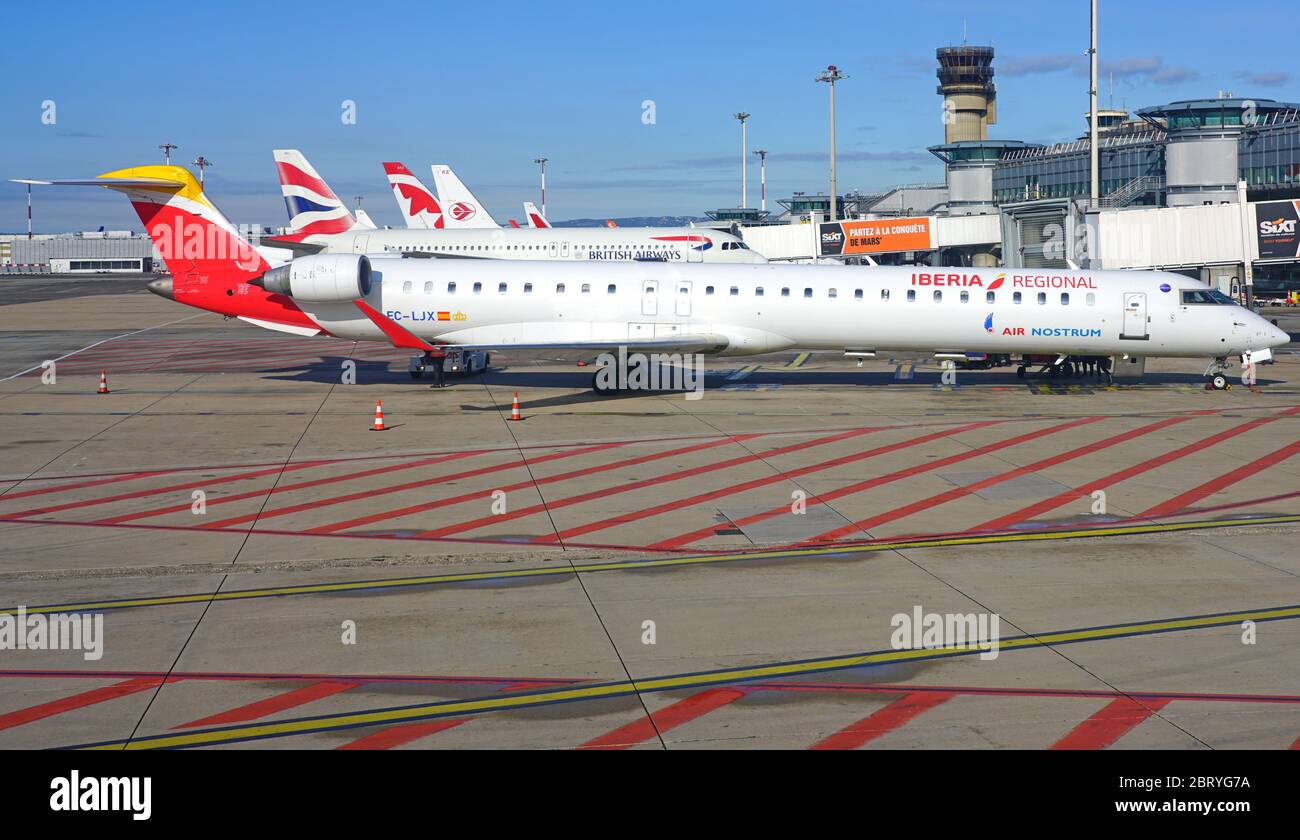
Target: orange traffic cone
379	417
514	408
103	382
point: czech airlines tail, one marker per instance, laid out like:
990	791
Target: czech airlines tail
313	207
419	207
535	217
462	208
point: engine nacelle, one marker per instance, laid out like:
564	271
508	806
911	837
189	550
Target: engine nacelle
322	278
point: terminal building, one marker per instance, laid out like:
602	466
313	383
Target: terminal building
1206	187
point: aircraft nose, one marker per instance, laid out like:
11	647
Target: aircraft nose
162	288
1277	336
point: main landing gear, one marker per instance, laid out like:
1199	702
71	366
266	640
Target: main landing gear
1066	367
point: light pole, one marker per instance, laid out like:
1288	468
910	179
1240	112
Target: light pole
744	152
1094	156
167	152
762	178
831	75
541	161
29	210
202	163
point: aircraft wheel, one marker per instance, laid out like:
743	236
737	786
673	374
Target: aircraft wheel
1020	372
1219	382
417	373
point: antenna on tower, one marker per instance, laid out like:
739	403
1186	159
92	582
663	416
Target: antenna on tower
202	163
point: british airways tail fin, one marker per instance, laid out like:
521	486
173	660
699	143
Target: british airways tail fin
313	207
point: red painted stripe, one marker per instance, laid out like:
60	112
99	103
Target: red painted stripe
523	485
858	487
291	175
409	485
77	701
189	485
680	540
269	706
1214	485
1110	724
44	490
1114	478
958	492
882	721
1295	745
301	485
637	485
700	498
395	736
682	711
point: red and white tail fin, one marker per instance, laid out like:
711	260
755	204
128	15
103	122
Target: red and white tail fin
313	207
462	209
419	207
210	261
535	217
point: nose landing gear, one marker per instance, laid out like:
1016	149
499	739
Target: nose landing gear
1214	378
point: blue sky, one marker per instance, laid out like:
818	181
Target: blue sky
487	87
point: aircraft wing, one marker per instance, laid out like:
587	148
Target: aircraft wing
701	343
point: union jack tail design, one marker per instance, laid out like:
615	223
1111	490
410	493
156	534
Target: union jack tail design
419	207
313	207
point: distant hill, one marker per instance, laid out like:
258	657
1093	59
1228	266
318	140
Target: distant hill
634	221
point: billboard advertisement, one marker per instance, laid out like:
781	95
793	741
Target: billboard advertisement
877	236
1276	225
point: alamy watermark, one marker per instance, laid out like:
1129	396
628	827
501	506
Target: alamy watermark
920	630
630	371
53	631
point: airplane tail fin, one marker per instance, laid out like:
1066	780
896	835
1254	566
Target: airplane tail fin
313	207
535	217
463	210
210	260
364	220
419	207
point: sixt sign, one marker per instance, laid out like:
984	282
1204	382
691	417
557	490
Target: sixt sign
1276	229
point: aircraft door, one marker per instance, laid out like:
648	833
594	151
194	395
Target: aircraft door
650	297
359	244
1135	316
564	250
554	250
694	252
683	297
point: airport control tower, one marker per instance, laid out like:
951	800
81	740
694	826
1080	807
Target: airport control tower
969	97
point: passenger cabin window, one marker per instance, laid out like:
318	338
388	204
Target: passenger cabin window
406	287
1042	298
884	295
735	290
990	297
938	296
478	287
528	288
428	288
785	292
1065	298
758	291
559	288
501	288
610	289
965	296
807	293
832	293
911	295
451	288
708	290
1016	298
586	288
1091	299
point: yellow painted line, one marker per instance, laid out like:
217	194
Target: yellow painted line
666	562
743	373
424	711
797	361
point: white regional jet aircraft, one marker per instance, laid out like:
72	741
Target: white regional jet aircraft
321	224
731	310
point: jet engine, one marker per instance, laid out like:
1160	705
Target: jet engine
321	278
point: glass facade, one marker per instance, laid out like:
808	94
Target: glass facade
1268	159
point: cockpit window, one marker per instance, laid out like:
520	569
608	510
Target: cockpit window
1205	296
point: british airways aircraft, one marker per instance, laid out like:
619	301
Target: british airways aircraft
730	310
321	224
